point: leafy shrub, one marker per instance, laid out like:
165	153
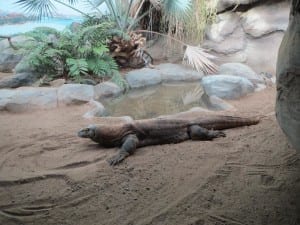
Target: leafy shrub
72	55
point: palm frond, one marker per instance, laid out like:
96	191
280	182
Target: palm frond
199	59
38	8
72	2
192	96
177	8
98	2
156	3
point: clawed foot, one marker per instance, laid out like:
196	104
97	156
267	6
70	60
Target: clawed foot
218	133
115	160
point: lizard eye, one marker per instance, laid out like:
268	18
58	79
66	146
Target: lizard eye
84	132
91	132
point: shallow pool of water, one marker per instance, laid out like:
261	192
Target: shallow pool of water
157	100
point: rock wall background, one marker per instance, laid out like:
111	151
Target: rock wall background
249	31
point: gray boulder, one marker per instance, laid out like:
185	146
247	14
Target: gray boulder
75	94
244	35
18	80
175	72
8	60
9	57
97	110
17	40
234	42
266	19
227	86
28	98
23	66
225	25
143	77
262	52
106	90
5	96
260	87
241	70
288	79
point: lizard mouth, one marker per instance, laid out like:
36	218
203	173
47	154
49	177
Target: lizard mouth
85	133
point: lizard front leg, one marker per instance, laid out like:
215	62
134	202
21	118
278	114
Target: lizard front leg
197	132
129	144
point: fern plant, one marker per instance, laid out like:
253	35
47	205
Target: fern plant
72	55
77	67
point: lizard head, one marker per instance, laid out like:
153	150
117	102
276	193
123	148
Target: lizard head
88	132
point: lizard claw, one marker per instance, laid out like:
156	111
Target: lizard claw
220	134
115	160
217	133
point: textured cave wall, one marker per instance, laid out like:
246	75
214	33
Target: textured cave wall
249	31
288	79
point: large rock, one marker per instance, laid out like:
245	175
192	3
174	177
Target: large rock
241	70
225	25
24	66
266	19
288	79
28	98
143	77
175	72
75	94
106	90
5	97
17	40
18	80
227	86
250	34
8	60
9	57
262	52
97	110
232	43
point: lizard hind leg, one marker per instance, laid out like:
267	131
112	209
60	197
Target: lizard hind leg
197	132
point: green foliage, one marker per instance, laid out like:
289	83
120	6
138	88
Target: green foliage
102	66
119	80
77	67
72	54
42	33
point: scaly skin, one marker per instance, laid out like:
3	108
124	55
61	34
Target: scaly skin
156	131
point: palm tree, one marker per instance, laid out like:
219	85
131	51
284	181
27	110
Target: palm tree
126	14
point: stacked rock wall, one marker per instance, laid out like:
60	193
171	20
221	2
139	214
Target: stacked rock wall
249	31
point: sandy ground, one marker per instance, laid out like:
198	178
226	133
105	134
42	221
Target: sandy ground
50	176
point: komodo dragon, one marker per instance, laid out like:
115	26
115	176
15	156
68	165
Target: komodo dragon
139	133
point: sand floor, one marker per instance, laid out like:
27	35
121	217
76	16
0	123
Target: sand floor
50	176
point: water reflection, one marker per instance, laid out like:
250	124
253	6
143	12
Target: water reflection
156	100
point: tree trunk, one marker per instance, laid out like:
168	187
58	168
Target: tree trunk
9	41
288	79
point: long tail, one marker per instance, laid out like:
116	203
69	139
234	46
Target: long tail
225	122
